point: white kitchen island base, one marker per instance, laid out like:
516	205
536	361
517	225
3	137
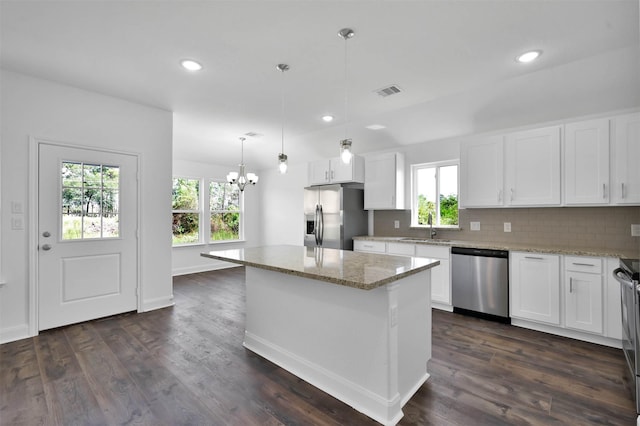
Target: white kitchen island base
367	348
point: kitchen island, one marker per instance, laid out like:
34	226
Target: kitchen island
355	325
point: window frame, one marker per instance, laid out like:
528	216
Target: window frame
204	213
414	189
240	211
198	211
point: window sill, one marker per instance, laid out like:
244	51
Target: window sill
442	228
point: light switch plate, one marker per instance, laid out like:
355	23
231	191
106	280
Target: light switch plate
475	226
507	227
635	230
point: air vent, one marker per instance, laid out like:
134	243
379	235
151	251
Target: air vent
388	91
253	134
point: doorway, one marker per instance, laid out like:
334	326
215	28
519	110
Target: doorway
87	225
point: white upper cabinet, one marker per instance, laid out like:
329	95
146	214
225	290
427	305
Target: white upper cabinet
384	182
586	162
481	172
625	152
532	160
335	171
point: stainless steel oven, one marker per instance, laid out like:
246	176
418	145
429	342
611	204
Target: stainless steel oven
627	276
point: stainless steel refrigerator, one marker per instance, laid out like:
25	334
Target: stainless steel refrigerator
333	215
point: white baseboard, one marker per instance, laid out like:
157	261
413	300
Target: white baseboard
11	334
158	303
359	398
564	332
201	268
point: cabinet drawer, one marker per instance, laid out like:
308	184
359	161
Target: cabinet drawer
591	265
401	249
370	246
435	252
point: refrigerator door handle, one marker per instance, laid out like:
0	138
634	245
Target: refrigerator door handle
316	224
321	225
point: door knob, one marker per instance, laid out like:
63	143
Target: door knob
46	234
46	247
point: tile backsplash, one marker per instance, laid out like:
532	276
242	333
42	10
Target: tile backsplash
570	227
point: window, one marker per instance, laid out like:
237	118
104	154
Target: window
435	191
190	214
89	201
186	211
224	206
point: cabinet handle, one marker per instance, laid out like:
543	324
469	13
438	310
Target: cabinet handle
622	190
393	201
326	175
583	264
500	195
604	192
534	258
333	174
511	194
570	285
367	246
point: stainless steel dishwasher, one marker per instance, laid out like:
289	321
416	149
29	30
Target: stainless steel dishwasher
480	282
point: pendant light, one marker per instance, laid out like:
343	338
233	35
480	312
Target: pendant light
282	157
242	179
345	144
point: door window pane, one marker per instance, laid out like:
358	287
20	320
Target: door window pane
90	200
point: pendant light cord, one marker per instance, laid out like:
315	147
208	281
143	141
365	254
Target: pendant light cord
282	111
346	91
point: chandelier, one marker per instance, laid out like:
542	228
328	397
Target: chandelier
242	179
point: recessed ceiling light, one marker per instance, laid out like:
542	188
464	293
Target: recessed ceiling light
376	127
191	65
327	118
528	56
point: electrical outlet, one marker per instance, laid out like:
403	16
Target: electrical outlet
17	223
507	227
635	230
475	226
16	207
396	224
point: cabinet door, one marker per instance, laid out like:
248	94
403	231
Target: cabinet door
625	152
481	172
440	275
586	161
535	287
341	172
533	167
401	249
319	172
583	301
382	183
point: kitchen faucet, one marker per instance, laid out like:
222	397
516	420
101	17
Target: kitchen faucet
432	233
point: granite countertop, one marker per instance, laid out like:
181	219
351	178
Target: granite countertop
352	269
596	252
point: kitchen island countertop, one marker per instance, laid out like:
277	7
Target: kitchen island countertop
365	271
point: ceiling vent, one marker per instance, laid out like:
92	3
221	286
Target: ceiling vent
253	134
388	91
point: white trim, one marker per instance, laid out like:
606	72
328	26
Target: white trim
32	237
201	268
11	334
564	332
157	303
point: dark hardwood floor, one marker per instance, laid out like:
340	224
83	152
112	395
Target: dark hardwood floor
186	365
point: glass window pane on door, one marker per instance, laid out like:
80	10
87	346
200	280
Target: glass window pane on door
90	201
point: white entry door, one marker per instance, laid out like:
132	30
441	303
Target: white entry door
87	242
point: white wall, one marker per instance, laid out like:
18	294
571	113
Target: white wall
50	111
187	259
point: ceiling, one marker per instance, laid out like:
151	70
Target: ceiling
453	60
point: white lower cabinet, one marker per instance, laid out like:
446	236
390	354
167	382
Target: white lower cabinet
535	287
440	275
572	296
583	294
